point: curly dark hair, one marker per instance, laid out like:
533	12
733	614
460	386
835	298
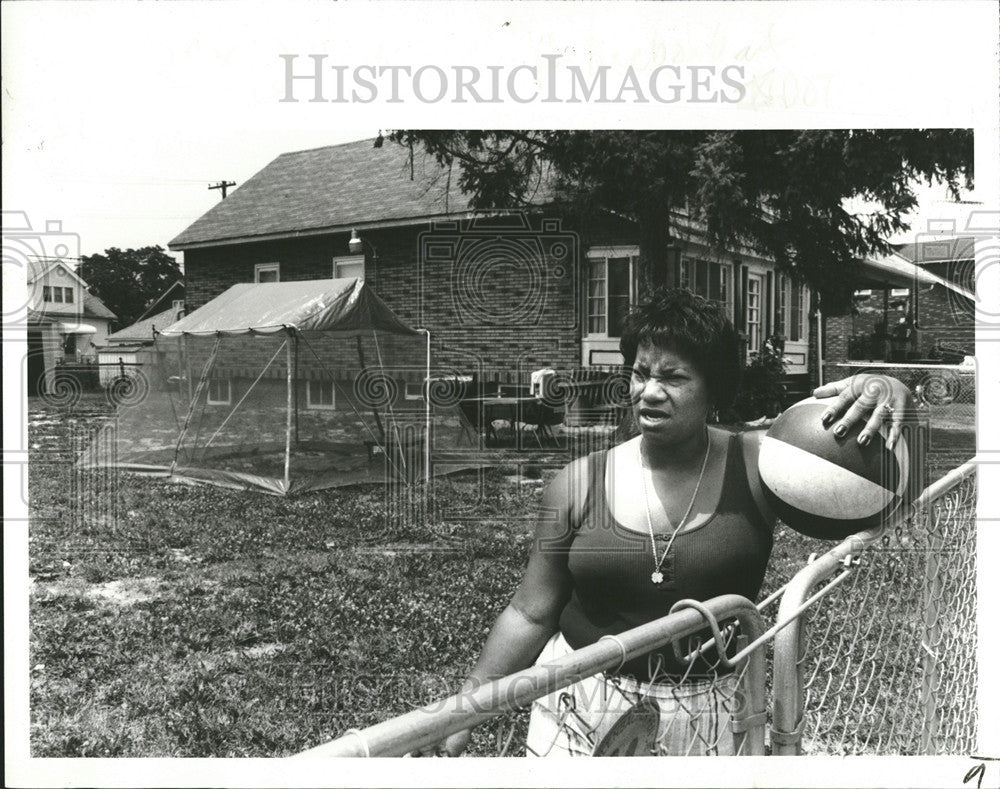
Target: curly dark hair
693	327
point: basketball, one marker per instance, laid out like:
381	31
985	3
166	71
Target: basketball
825	486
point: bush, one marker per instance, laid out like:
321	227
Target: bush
762	389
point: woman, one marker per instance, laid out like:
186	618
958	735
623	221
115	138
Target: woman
676	512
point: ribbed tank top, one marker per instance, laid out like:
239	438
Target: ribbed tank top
611	565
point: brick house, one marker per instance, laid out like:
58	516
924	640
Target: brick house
502	293
915	305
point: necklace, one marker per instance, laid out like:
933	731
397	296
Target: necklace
657	576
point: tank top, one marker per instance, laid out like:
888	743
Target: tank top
611	566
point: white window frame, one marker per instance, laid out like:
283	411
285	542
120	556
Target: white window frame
260	268
348	260
229	391
68	296
783	307
755	339
604	254
313	406
689	266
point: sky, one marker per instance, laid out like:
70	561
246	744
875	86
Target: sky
118	117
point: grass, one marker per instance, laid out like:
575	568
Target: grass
169	620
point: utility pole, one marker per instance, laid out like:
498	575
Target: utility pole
223	185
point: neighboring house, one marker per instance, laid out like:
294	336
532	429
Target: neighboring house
910	308
168	300
66	322
502	294
131	348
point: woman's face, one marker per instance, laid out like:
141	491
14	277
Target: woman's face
670	396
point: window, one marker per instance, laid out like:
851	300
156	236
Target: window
57	295
46	293
267	272
219	391
609	293
68	295
321	394
795	314
754	311
707	279
347	267
791	309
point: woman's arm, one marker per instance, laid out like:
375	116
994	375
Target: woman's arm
532	616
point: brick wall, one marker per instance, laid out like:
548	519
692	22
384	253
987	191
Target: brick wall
944	319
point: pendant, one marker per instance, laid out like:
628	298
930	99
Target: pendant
657	577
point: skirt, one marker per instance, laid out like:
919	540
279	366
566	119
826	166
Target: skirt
608	715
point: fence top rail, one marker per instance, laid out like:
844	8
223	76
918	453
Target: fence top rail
958	368
435	721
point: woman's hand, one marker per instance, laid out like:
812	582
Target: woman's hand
867	397
451	746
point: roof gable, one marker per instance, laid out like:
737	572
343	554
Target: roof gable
174	293
45	269
330	189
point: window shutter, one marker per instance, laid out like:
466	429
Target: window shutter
769	305
741	309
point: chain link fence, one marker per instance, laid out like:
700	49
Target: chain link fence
886	662
874	652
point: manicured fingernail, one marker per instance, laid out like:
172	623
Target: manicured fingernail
827	419
840	430
864	439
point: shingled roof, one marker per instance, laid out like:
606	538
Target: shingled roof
335	188
142	330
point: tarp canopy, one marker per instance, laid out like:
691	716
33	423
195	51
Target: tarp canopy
339	306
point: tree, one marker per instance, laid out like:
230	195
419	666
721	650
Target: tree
781	193
129	280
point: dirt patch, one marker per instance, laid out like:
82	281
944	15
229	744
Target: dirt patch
123	592
126	591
